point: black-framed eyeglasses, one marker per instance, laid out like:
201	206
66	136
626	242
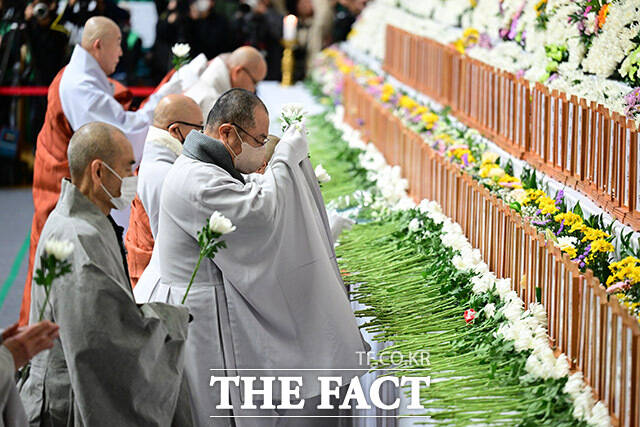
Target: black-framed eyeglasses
199	127
260	143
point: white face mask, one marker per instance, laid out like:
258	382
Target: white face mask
128	186
250	159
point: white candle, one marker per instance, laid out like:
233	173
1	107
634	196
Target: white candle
289	27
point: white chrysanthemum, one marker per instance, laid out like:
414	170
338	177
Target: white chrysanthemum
321	174
599	416
60	249
483	283
415	225
582	404
490	310
219	223
538	312
561	367
503	286
566	242
181	50
574	385
512	310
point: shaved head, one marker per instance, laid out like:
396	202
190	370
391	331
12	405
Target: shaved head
247	56
101	37
98	28
176	108
93	141
247	67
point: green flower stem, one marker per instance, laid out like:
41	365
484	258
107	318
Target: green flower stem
193	276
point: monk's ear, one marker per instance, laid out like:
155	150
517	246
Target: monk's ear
224	130
95	171
235	73
97	44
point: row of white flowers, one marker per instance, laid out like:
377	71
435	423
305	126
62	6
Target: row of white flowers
586	73
527	329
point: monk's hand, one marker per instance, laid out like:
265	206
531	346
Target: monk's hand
30	341
11	331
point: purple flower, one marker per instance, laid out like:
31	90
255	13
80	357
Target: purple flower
520	74
539	211
359	122
545	222
586	11
559	197
416	119
485	41
553	77
561	228
512	30
465	159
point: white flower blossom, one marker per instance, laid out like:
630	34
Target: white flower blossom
574	385
181	50
599	416
322	174
490	310
503	286
218	223
60	249
538	312
414	225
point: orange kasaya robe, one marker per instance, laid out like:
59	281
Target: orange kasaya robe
138	241
51	165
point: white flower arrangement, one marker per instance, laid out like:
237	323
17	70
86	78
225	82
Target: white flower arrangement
526	329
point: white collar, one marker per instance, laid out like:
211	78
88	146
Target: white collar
163	138
83	62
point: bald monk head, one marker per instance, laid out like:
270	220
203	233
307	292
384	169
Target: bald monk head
101	38
246	67
99	157
179	115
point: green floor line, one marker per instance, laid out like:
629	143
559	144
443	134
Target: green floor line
15	268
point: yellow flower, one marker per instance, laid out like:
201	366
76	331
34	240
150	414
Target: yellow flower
470	35
593	234
407	102
538	6
430	118
601	245
420	110
535	194
485	169
547	205
569	218
474	3
387	88
459	45
385	97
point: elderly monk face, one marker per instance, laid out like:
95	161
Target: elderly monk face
110	51
101	38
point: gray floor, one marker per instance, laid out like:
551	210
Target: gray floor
16	210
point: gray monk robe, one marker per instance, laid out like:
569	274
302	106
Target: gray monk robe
274	299
115	363
11	409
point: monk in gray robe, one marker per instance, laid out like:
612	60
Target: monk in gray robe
19	345
115	363
274	299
